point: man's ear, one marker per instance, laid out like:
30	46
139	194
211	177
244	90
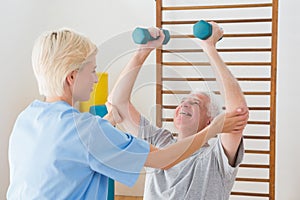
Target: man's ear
71	77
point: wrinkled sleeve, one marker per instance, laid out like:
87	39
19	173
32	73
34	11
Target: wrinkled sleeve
225	167
111	152
159	137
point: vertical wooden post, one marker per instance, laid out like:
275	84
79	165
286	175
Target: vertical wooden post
273	99
158	68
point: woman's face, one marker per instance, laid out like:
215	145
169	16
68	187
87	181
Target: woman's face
85	80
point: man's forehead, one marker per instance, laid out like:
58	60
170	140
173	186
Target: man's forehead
199	97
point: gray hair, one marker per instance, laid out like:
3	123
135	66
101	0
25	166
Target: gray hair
214	107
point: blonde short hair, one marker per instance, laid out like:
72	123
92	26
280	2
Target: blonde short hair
55	55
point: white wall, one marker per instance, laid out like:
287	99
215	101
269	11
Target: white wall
288	134
22	21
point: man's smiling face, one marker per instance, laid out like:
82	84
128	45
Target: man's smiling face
191	115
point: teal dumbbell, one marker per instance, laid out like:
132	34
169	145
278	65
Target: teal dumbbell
202	30
142	36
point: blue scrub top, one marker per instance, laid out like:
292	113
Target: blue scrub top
56	152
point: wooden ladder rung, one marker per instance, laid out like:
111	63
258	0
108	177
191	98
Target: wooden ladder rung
208	64
228	35
261	180
259	122
216	92
219	50
219	21
250	108
214	79
250	194
257	151
249	122
256	137
170	8
261	166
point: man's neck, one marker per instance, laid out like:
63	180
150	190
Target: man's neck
186	133
182	134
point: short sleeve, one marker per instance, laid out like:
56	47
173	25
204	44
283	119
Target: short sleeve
111	152
226	168
159	137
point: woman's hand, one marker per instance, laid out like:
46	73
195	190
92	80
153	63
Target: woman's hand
113	115
236	121
230	122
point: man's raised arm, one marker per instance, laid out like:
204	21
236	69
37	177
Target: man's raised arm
121	93
229	88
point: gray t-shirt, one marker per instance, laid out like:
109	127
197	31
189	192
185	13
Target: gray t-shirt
205	175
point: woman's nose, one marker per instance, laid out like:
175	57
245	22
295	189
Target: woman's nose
96	79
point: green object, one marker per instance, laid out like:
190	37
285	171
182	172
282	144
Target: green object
111	189
101	111
142	36
202	30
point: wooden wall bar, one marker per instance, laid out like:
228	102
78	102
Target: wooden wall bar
249	48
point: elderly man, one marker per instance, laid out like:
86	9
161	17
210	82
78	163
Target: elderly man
210	172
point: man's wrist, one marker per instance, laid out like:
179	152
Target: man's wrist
144	50
209	48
